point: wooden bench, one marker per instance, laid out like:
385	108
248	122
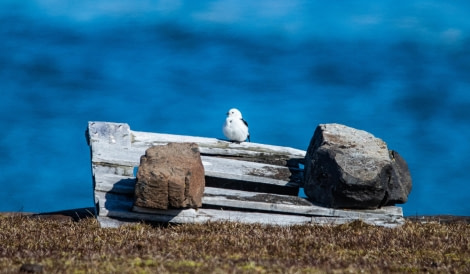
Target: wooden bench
247	182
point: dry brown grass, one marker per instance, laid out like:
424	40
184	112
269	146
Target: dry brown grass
83	247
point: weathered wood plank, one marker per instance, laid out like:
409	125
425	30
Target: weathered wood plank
115	155
235	174
219	166
111	156
115	184
120	213
125	184
104	168
115	222
107	137
114	206
213	146
220	172
118	134
227	198
119	206
120	210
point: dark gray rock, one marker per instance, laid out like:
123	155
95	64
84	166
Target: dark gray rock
400	184
170	176
350	168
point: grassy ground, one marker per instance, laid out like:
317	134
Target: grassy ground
64	246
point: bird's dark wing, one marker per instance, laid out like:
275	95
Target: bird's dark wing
245	122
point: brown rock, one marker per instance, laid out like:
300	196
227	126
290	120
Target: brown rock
170	176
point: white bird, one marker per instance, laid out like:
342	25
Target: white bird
235	128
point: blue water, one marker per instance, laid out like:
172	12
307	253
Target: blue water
398	69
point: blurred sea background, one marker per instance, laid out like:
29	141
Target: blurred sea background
397	69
